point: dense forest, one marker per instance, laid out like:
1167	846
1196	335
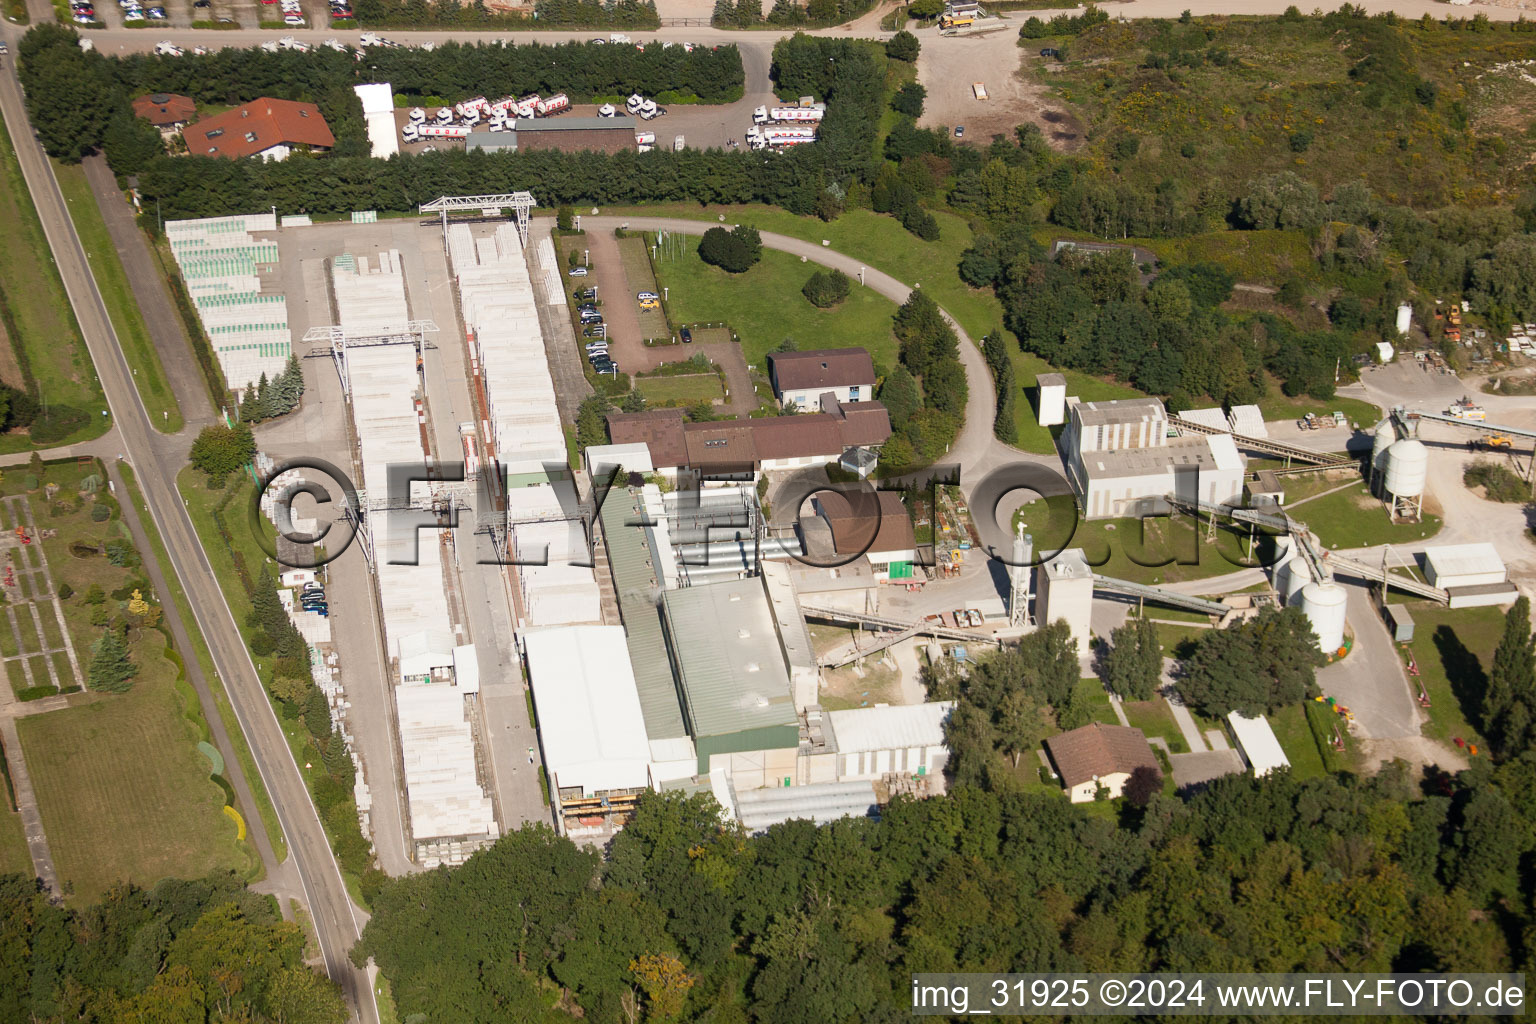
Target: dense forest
183	952
689	919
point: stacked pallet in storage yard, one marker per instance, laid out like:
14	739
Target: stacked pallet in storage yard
221	262
450	816
522	427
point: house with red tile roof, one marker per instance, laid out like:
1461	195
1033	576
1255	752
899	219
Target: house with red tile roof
267	128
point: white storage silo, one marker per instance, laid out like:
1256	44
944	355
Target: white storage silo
1384	437
1404	318
1323	605
1407	471
1298	576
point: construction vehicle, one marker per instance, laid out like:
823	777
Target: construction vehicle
957	17
1465	409
1493	443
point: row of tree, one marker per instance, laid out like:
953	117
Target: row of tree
266	399
638	14
183	952
691	919
786	13
926	393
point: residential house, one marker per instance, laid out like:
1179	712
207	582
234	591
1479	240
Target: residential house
267	128
1099	755
801	378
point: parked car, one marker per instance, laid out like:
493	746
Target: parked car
201	4
686	335
586	293
578	271
650	303
959	131
156	13
594	331
133	15
293	19
587	307
642	296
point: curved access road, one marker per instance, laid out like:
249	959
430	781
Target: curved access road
975	449
156	460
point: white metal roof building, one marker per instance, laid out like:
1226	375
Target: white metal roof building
221	262
1257	743
438	749
1463	565
896	738
378	101
590	723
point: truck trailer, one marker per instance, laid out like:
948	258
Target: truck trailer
559	103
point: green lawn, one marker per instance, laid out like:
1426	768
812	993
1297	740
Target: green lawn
875	238
1453	650
1277	406
1153	718
123	792
637	271
37	316
1092	691
683	389
1129	549
139	349
1353	518
205	660
1171	638
1296	739
765	306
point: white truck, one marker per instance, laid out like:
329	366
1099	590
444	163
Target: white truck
607	110
649	109
410	131
645	138
418	115
634	103
477	105
618	37
445	115
166	48
443	131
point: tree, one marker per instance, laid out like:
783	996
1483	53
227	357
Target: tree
666	983
591	424
903	46
1021	722
111	669
1145	782
1252	667
734	251
1509	704
924	10
826	288
1133	665
634	401
909	99
565	217
220	450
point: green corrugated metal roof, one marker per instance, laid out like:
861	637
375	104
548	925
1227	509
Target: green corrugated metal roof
634	580
727	653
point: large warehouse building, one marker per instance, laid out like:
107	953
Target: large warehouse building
1121	461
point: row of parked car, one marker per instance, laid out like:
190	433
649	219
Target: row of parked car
596	331
84	11
312	599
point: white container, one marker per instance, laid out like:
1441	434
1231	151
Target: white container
1407	468
1404	318
1323	605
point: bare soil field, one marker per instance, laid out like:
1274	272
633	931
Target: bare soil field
948	66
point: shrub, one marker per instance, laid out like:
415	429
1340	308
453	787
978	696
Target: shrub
1500	483
909	99
100	513
734	251
66	591
80	549
826	288
564	218
903	46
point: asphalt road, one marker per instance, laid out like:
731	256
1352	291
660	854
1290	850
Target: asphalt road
156	459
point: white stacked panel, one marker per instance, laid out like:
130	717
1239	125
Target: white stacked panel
556	593
1248	421
1213	418
554	285
438	750
218	259
496	295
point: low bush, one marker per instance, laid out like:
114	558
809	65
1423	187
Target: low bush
826	288
1499	483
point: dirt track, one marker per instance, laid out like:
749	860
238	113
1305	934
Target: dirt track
949	65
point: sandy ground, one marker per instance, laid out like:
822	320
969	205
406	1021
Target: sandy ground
949	65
